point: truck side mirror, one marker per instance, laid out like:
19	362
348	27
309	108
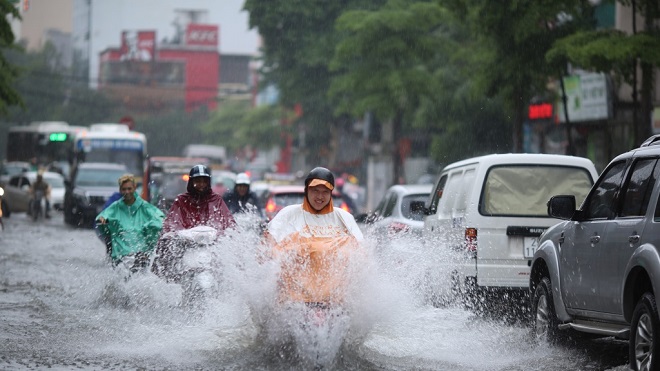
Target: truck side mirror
562	207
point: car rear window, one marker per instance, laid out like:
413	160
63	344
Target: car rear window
524	190
98	177
405	206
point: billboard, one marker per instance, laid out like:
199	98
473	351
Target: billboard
201	35
587	98
138	46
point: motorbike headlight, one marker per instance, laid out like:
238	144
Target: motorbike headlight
2	192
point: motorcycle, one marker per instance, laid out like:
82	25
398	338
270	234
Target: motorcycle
192	263
309	334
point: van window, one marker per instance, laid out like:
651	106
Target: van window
524	190
456	192
437	194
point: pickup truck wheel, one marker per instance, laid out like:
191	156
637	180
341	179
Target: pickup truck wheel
543	310
644	354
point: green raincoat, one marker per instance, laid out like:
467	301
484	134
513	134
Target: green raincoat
132	229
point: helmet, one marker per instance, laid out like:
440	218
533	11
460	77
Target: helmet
242	178
320	173
200	170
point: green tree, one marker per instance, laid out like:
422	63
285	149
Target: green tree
614	51
236	125
383	63
8	72
299	40
49	94
170	132
516	35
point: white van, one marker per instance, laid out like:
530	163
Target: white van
488	213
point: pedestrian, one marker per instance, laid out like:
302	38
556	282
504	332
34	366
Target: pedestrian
314	242
198	206
40	185
241	199
130	225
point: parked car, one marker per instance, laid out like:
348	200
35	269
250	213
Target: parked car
487	213
598	271
280	196
11	168
87	190
17	190
394	215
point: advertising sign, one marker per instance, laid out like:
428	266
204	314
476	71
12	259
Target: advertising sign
138	45
587	98
202	35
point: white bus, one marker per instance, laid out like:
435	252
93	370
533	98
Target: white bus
46	141
112	143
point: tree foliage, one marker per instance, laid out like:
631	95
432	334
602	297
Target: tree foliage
8	72
236	125
299	40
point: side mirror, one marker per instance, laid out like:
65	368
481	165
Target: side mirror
562	207
417	207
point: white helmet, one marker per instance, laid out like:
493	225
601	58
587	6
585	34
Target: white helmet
242	178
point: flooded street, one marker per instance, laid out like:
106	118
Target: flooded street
63	307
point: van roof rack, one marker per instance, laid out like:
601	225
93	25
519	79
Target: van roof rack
653	140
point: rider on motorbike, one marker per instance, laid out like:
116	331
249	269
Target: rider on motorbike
241	199
130	224
199	206
40	186
314	243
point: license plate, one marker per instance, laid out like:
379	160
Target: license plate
530	245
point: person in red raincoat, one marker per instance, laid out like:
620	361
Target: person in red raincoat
199	206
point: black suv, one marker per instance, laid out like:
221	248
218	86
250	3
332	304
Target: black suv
87	190
598	272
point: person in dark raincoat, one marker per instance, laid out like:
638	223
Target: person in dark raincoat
130	225
199	206
242	199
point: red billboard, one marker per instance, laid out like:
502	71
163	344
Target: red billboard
138	45
202	35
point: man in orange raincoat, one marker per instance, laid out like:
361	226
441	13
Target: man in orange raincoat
314	242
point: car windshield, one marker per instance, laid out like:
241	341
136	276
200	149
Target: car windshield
524	190
405	206
98	177
172	184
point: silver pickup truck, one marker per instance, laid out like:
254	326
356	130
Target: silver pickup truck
598	271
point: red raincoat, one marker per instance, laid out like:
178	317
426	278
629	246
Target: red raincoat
189	210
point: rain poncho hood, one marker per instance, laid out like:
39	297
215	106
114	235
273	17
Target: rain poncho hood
133	228
314	250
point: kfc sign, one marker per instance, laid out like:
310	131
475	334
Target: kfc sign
138	45
202	34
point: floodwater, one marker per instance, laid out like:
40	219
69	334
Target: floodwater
63	307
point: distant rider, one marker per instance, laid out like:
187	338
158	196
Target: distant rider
241	199
314	243
130	224
199	206
41	185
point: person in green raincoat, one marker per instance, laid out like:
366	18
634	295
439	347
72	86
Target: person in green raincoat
131	224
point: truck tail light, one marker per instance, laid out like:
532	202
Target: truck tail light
471	241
